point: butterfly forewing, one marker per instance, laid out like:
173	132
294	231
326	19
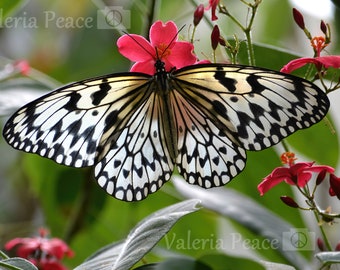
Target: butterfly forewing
254	107
135	127
68	124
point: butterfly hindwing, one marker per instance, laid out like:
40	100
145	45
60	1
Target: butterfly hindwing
137	161
206	156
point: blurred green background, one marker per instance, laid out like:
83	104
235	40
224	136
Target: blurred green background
70	41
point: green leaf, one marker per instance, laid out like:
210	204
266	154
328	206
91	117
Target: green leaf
225	262
336	3
249	213
177	263
328	258
278	56
8	7
17	263
318	143
141	239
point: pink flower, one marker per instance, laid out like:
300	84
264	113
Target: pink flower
163	45
22	66
48	264
297	174
213	5
41	251
322	61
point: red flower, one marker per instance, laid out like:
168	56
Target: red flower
297	174
47	264
322	61
43	252
213	5
163	45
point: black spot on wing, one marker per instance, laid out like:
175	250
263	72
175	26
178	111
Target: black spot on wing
99	95
227	82
252	80
72	103
110	120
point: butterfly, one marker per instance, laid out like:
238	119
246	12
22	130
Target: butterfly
135	128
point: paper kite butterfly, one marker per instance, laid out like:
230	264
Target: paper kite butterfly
135	128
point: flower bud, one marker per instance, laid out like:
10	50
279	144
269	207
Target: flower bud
215	37
337	247
334	186
298	18
321	177
289	201
320	244
198	14
323	27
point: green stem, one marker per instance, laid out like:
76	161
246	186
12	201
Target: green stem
324	236
247	29
285	146
150	16
3	255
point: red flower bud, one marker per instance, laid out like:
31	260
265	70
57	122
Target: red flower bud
334	189
337	247
320	244
321	177
298	18
323	27
215	37
289	201
198	14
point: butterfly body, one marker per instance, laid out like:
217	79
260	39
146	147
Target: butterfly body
135	128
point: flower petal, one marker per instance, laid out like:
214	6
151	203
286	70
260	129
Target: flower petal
147	67
297	63
182	55
276	177
163	33
57	248
326	61
329	61
136	48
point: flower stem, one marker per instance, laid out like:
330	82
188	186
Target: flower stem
324	236
245	29
3	255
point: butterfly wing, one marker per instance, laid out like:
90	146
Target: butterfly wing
238	107
110	121
138	161
206	156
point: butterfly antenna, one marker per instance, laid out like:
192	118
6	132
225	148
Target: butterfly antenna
158	56
172	40
140	45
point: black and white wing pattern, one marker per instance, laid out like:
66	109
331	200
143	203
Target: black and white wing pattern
224	109
112	122
134	128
